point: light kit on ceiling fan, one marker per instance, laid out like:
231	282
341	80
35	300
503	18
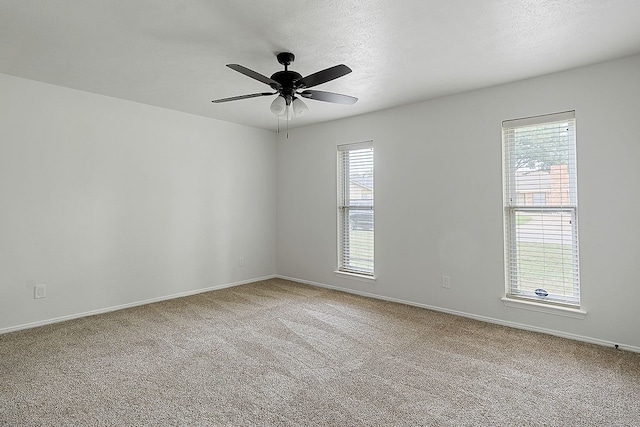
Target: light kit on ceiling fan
281	108
299	107
290	85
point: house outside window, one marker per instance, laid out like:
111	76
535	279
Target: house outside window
355	208
540	209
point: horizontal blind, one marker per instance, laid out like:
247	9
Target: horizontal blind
355	208
541	233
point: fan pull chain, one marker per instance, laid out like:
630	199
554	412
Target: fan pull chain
278	126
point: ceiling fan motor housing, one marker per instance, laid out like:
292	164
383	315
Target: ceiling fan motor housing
287	80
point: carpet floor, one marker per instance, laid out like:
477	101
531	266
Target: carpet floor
279	353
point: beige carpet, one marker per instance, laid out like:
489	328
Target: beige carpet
282	353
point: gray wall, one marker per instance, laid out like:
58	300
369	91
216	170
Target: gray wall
438	200
110	202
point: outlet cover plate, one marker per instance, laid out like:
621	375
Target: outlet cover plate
446	282
39	291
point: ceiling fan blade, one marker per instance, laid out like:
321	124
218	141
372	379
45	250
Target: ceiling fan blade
336	98
254	75
323	76
236	98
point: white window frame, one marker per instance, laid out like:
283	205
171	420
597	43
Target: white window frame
513	206
348	263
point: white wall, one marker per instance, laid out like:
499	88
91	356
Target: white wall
438	199
110	202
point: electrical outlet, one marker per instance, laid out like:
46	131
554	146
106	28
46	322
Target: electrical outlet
446	282
39	291
241	261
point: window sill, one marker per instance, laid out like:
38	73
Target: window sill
574	313
356	276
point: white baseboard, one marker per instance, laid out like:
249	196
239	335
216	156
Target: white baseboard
473	316
129	305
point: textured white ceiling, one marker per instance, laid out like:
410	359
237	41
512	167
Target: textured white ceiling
172	53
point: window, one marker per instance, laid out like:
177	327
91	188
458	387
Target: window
540	209
539	199
355	208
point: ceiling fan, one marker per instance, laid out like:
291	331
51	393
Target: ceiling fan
290	85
